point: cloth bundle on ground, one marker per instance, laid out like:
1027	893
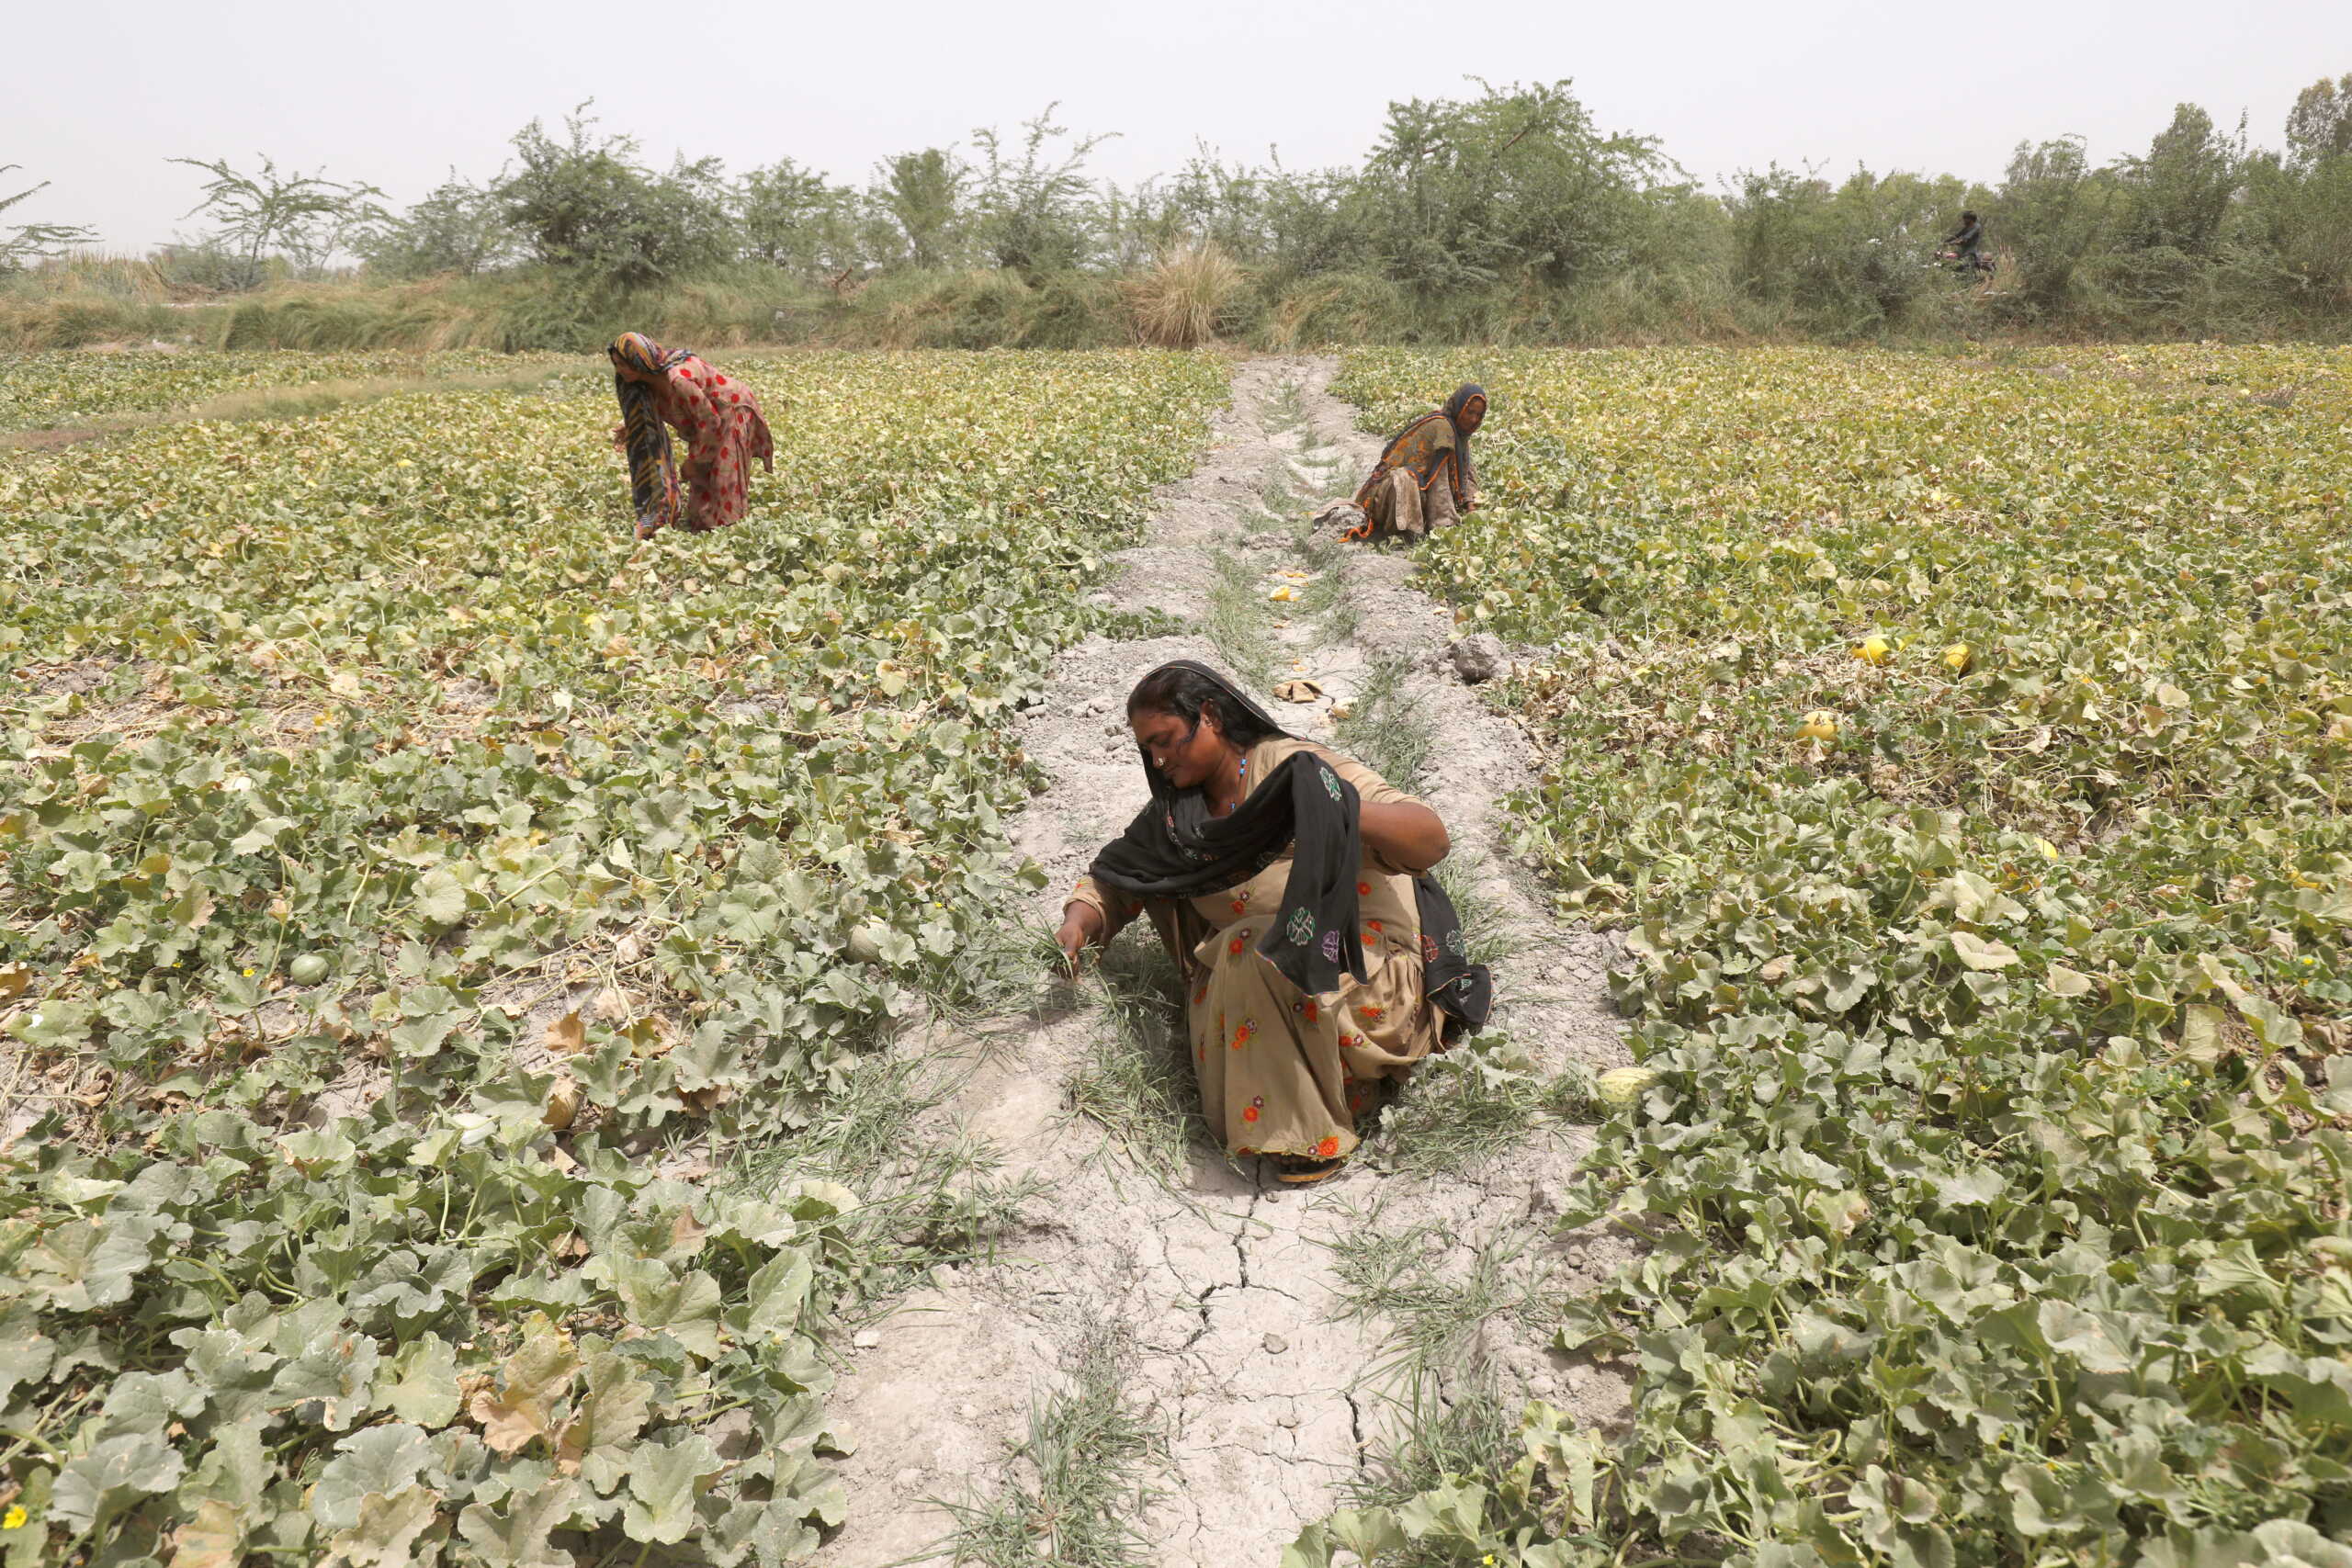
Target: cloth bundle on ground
1463	991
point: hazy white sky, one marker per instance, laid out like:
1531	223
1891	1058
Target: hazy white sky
397	91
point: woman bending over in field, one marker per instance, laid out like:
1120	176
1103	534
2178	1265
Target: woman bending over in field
1424	479
1290	885
719	417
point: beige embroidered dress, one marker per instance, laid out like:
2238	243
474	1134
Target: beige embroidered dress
1281	1073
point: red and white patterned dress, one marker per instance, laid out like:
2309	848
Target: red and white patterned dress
721	420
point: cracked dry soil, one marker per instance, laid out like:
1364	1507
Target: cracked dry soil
1270	1395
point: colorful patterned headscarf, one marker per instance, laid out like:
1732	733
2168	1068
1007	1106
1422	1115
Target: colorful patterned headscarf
1431	442
1466	396
639	364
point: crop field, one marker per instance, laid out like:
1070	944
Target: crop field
1964	747
441	950
401	881
40	391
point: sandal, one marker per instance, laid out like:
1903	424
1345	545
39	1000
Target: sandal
1299	1170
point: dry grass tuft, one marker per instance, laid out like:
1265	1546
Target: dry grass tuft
102	274
1179	302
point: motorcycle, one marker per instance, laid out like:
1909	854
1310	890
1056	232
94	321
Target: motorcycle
1978	265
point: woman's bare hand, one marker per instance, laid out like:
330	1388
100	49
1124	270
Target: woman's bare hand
1081	925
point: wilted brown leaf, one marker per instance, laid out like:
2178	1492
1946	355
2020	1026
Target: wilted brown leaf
564	1101
530	1384
568	1037
211	1539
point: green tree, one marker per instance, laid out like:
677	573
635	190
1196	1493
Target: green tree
2319	127
1516	180
586	204
1850	259
795	219
2051	212
1206	199
458	228
2179	192
2298	208
922	193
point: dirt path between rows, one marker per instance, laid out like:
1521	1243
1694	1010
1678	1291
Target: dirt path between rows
1236	1333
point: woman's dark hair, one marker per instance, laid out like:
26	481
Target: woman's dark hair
1968	218
1184	694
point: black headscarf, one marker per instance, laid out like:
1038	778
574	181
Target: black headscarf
1463	991
1174	849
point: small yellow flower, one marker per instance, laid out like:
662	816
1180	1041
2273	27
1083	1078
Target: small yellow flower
14	1519
249	972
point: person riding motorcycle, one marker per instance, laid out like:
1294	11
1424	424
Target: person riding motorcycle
1965	244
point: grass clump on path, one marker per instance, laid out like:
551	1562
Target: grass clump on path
1081	1485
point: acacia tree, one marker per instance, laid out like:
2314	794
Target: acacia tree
2319	127
2301	205
1847	257
35	241
2181	189
1035	210
305	217
2052	212
1208	199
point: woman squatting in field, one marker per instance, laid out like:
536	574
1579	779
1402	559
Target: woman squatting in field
719	417
1290	884
1405	498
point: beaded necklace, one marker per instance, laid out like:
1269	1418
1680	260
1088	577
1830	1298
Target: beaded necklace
1240	776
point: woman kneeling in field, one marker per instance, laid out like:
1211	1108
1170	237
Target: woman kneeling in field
719	417
1290	885
1424	479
